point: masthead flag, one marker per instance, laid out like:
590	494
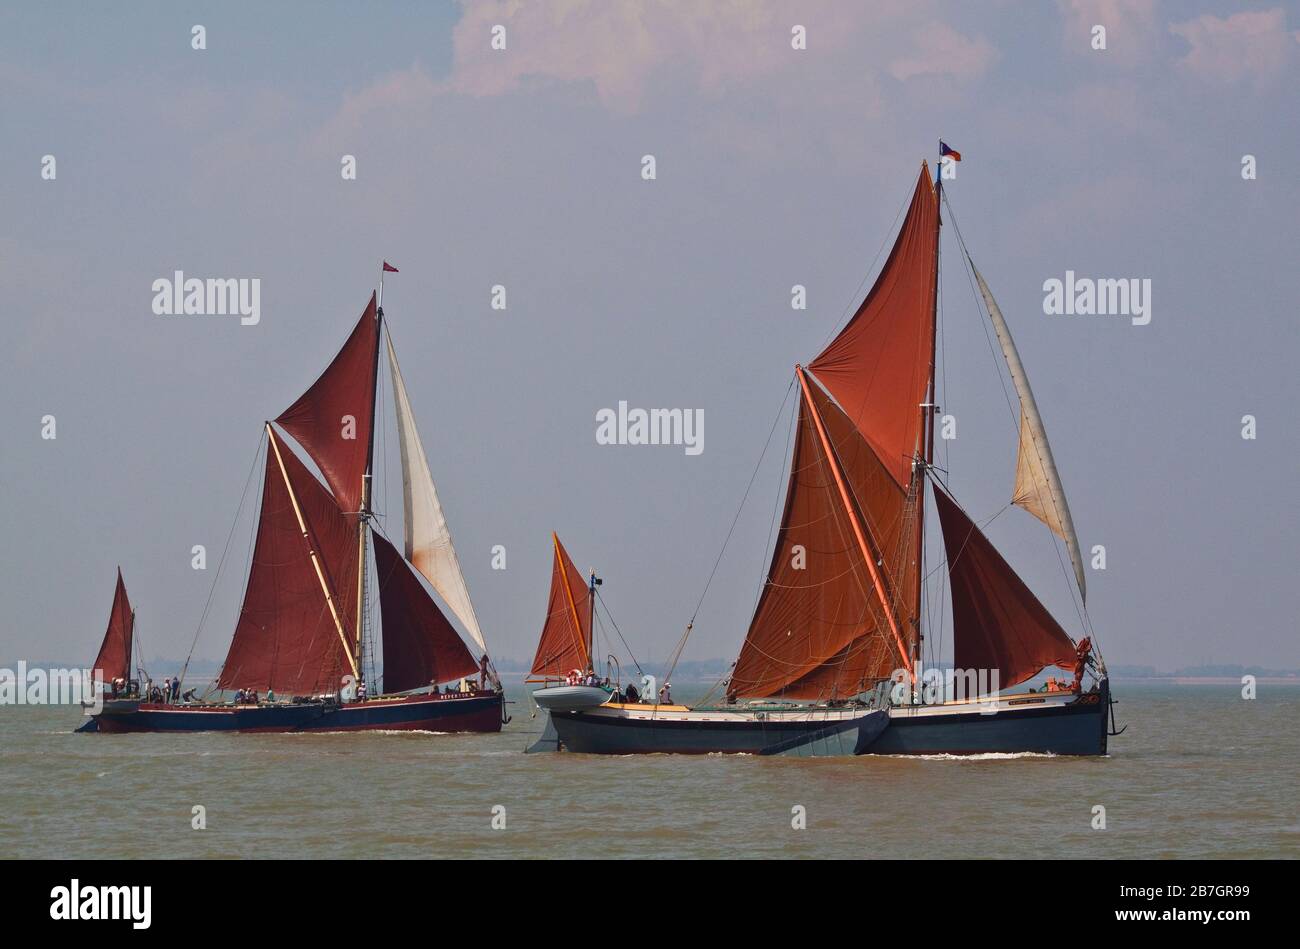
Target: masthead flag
945	152
389	268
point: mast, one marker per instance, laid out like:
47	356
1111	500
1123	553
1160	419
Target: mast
363	515
591	626
928	410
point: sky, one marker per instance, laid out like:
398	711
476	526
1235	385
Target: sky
522	167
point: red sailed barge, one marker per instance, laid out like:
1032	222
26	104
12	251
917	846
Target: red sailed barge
304	639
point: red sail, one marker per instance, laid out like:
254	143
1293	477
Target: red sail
286	638
566	637
333	418
420	647
996	622
878	367
820	631
114	659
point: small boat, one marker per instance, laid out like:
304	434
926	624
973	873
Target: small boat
304	645
584	715
832	662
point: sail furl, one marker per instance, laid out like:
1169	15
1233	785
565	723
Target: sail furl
1038	487
565	643
997	621
878	367
420	646
333	419
427	538
114	659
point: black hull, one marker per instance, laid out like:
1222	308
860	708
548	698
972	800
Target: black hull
434	713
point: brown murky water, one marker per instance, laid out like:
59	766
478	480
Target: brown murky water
1200	773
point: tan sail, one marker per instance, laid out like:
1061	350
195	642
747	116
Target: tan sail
1038	485
427	538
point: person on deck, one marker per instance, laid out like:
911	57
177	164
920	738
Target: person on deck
361	691
666	694
270	694
483	670
176	689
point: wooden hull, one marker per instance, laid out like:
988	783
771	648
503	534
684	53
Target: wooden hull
474	712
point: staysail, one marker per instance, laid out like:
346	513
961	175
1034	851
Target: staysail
332	420
1038	485
421	647
878	367
427	538
114	659
565	642
997	622
296	614
821	629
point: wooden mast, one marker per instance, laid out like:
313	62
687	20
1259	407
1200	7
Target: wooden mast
311	549
363	515
927	416
867	555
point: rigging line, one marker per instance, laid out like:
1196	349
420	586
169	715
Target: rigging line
739	509
608	612
856	300
217	576
1080	608
968	265
786	461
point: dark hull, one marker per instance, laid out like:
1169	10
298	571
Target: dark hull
1076	728
587	733
435	713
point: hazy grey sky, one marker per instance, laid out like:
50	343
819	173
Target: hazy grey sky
522	167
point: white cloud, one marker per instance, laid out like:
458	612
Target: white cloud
1250	45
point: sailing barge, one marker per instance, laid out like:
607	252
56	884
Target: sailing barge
302	634
831	662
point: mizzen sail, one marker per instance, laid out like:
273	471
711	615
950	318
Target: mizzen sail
1038	484
332	420
565	643
114	659
296	615
878	367
427	538
421	647
997	623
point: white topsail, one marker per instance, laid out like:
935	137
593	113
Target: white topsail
427	538
1038	486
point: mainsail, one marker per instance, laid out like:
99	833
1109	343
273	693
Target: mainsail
839	607
1038	485
420	646
821	629
878	367
114	659
296	620
427	538
333	419
997	622
565	642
